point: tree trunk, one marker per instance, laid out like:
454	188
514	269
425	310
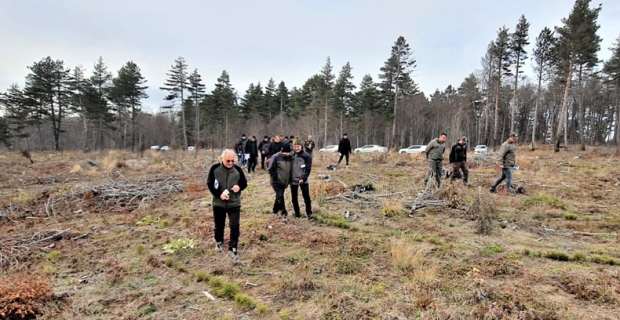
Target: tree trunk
496	113
326	113
281	115
197	124
183	120
558	135
392	141
514	97
582	123
536	110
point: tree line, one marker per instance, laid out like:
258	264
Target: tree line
574	99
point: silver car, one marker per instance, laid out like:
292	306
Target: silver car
332	148
416	148
370	148
481	149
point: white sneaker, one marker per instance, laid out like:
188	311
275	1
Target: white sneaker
235	254
218	247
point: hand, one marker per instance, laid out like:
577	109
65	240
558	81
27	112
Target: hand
235	188
225	197
501	166
263	152
301	181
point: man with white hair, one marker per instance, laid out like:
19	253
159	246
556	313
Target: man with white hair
226	181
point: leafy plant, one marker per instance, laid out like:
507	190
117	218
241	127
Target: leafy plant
244	301
179	244
147	221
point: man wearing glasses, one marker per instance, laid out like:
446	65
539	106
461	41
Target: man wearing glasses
226	181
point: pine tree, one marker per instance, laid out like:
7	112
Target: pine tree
15	114
129	90
100	81
176	84
327	88
578	45
196	94
612	69
223	100
518	42
47	95
397	82
343	94
283	100
270	101
501	55
543	62
80	102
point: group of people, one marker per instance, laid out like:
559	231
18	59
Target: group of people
248	150
289	163
458	158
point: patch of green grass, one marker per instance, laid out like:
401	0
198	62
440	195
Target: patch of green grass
263	309
347	265
294	257
494	248
603	259
244	301
333	220
216	282
139	249
169	262
148	310
263	236
53	256
202	276
179	244
570	216
227	290
545	199
434	239
147	221
557	255
164	223
283	315
578	256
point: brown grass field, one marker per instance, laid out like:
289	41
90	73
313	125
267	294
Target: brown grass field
82	236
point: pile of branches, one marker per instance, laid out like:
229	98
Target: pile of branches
354	195
15	248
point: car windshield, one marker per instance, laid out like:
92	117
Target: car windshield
414	147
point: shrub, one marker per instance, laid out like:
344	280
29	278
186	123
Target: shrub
244	301
263	237
147	221
570	216
23	296
545	199
263	309
202	276
606	260
179	244
227	290
347	265
557	255
391	208
53	256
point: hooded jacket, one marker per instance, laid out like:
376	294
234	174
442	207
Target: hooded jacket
280	169
302	165
221	178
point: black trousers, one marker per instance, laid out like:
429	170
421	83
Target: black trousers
252	162
278	204
344	155
262	161
219	217
305	192
462	166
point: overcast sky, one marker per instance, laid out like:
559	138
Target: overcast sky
258	40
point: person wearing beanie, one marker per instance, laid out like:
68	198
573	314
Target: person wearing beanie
458	159
263	148
344	148
300	172
280	166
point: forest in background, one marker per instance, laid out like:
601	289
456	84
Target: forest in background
574	99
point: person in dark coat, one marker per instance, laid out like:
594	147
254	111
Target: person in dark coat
275	147
239	148
344	148
309	145
300	172
280	166
225	182
251	149
458	159
263	148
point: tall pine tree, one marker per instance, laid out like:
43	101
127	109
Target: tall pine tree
501	55
129	90
176	84
543	62
196	91
327	89
518	42
343	94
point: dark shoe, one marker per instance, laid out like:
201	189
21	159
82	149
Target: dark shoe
235	254
492	190
297	216
311	218
465	184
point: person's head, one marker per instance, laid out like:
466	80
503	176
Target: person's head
512	137
309	138
345	136
286	151
253	139
297	145
276	138
266	138
463	140
442	137
286	137
243	137
291	137
228	158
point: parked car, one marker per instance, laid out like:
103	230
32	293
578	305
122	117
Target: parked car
155	148
191	148
164	148
370	148
416	148
333	148
481	149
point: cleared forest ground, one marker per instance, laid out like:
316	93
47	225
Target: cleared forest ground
82	236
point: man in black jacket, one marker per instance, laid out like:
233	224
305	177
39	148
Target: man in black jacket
300	172
344	148
458	159
226	181
280	172
275	147
309	145
251	149
239	148
263	148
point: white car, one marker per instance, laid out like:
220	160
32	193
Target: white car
370	148
481	149
164	148
191	148
155	148
332	148
413	149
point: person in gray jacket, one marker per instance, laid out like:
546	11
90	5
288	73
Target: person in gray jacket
226	181
434	153
279	170
300	172
508	158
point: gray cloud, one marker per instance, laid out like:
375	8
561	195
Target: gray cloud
257	40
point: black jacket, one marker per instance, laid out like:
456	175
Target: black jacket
458	153
309	146
344	146
263	146
251	148
240	145
221	178
274	148
280	169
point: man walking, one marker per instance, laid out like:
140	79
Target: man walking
275	147
344	148
280	166
251	149
458	159
302	165
508	158
240	149
263	148
226	181
434	153
309	145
